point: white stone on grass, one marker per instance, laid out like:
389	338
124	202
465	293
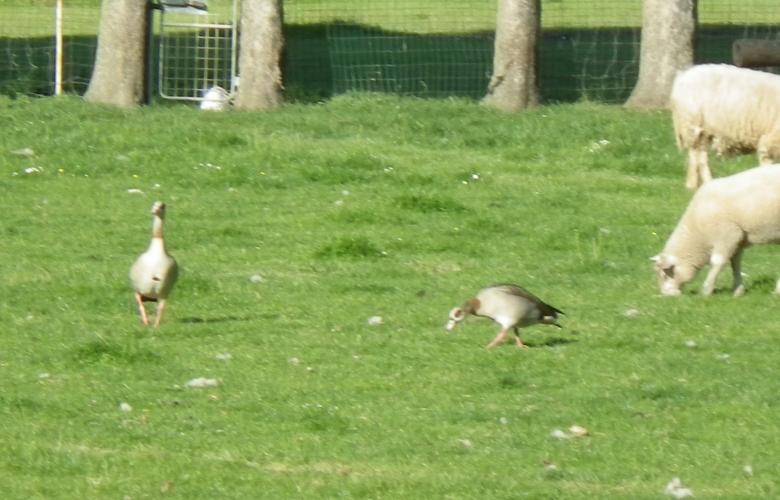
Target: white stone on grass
202	382
631	313
575	431
676	489
26	152
559	434
466	443
578	431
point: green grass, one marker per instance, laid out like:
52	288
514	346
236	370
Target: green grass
364	206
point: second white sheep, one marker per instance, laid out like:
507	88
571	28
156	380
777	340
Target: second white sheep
724	217
732	109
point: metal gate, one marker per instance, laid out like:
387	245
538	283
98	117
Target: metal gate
197	49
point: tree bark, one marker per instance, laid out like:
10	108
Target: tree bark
749	53
118	76
668	29
514	86
261	42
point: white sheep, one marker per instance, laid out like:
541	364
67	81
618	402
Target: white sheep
733	109
724	217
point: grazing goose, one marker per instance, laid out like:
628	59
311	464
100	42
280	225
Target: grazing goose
154	272
508	305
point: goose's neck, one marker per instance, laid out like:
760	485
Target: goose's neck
157	235
157	227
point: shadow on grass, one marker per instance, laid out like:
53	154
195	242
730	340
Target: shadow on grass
552	342
196	320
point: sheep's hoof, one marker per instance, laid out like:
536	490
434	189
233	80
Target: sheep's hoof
739	291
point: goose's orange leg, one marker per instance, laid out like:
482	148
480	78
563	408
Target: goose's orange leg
141	308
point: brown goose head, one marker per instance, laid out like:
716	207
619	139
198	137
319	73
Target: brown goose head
458	314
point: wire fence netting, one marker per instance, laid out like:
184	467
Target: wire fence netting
588	49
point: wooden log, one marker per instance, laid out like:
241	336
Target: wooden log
749	53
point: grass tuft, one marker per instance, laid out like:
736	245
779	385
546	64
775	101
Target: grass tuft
350	247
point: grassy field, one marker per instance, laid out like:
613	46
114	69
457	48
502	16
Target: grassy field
293	228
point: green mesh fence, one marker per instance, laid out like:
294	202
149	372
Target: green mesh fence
589	49
27	45
722	22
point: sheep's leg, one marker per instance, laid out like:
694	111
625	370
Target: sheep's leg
717	261
141	308
736	269
767	147
704	168
499	338
692	179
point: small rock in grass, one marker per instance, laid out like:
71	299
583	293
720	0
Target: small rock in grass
294	361
723	357
690	343
551	470
256	278
503	420
202	382
124	407
466	443
223	356
375	320
134	191
559	434
748	470
26	152
575	431
578	431
631	313
33	170
676	489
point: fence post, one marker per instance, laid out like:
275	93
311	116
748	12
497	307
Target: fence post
58	48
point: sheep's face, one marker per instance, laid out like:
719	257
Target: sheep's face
672	275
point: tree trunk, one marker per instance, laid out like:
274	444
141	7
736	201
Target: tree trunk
118	75
513	85
668	29
749	53
261	43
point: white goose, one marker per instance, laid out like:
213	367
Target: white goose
508	305
154	272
